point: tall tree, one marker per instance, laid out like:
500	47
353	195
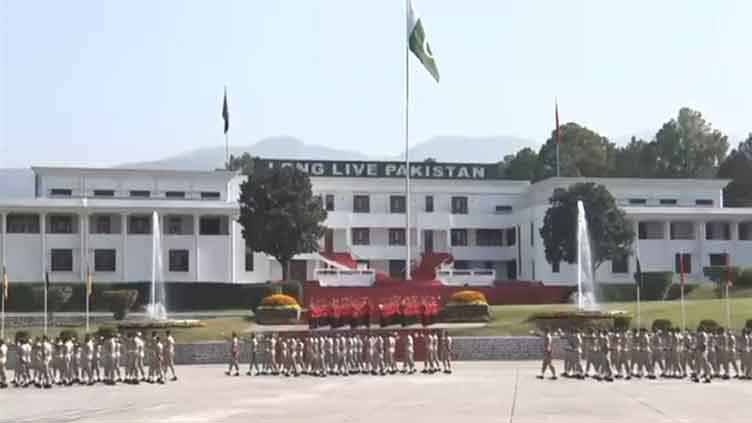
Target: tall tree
279	214
244	163
582	152
638	159
611	234
522	166
738	168
688	147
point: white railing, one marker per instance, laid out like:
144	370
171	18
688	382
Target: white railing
345	277
469	277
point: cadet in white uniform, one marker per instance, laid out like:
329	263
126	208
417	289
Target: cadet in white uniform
3	362
169	355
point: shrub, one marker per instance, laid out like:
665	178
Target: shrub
708	325
748	324
57	297
744	278
654	284
120	301
468	297
279	300
68	334
22	335
719	274
621	323
662	325
106	332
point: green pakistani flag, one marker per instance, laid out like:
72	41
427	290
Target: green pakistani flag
416	39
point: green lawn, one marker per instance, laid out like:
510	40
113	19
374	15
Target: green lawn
508	320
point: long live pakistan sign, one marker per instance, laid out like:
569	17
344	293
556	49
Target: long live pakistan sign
418	170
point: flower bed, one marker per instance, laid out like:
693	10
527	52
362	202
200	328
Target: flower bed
278	315
473	312
158	324
279	300
467	297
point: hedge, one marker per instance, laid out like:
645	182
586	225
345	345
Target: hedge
662	325
741	276
180	296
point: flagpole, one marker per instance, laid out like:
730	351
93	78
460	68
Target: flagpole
681	290
407	147
227	136
86	289
728	289
639	316
46	285
2	320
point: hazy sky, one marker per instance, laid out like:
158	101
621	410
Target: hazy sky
100	83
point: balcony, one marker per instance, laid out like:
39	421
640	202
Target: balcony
345	277
469	277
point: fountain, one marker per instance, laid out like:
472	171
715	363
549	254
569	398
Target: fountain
585	280
156	309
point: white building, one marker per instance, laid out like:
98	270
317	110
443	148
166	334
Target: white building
102	218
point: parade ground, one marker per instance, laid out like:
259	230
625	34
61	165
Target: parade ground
477	391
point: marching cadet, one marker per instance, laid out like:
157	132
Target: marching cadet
25	362
169	356
118	355
688	361
159	352
273	354
547	363
36	362
111	370
657	353
87	360
447	353
47	354
140	347
234	356
622	354
98	357
747	355
714	346
253	348
285	357
408	366
3	362
604	364
391	349
702	365
730	355
131	375
328	350
76	362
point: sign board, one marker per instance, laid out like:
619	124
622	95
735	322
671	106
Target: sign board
368	169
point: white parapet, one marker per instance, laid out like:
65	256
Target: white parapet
466	277
345	277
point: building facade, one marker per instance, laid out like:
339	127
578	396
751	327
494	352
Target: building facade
104	220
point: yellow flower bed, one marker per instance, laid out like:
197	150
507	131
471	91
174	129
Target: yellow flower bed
468	297
280	300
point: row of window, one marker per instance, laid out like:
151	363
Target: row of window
61	260
668	202
67	192
109	224
686	230
682	263
397	204
458	237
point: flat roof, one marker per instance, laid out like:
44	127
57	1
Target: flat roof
129	171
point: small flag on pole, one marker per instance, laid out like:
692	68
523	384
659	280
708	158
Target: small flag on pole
638	273
46	281
418	43
226	112
558	131
681	268
5	283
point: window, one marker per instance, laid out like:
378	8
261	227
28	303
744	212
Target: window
361	236
555	267
461	265
459	205
210	195
139	225
668	201
511	270
703	202
22	224
718	231
102	224
248	259
650	230
397	204
397	236
429	203
532	269
685	259
532	234
503	209
511	236
104	193
329	202
140	193
397	268
60	224
488	237
459	237
719	259
175	194
428	240
212	225
745	231
104	260
682	230
174	225
620	264
61	260
61	192
637	201
178	260
361	204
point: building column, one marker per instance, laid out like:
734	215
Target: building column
348	235
3	238
734	242
43	236
82	236
124	246
195	243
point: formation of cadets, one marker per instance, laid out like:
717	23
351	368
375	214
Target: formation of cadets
701	356
45	362
329	353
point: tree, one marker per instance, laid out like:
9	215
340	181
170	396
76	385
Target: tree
582	153
738	168
611	234
522	166
688	147
279	214
244	163
638	159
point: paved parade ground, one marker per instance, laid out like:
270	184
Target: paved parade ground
478	391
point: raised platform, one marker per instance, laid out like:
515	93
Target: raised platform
501	293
